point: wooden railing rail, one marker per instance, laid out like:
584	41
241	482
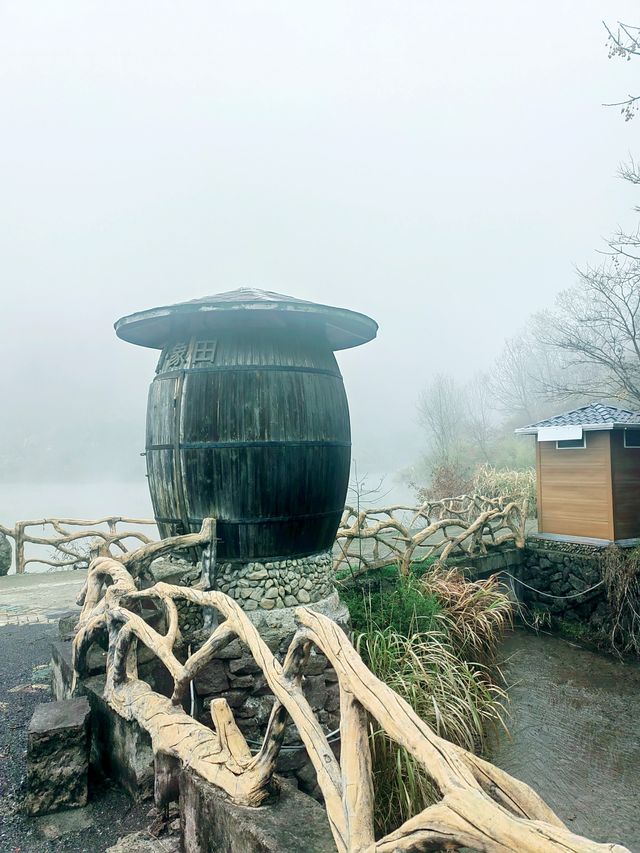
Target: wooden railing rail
466	525
481	807
62	539
367	538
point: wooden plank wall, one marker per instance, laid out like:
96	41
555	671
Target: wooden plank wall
575	488
625	463
252	428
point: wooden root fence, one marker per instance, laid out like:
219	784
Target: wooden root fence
367	538
464	526
481	807
71	548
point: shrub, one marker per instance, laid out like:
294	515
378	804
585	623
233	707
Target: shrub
402	605
433	640
621	576
492	482
458	699
475	613
446	481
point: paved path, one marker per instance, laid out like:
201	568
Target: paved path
38	598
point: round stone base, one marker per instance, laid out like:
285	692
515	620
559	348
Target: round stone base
277	584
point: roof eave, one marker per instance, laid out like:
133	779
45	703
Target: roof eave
589	427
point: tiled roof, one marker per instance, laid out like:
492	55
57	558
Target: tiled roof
593	414
247	294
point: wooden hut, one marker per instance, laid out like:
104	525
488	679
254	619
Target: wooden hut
248	420
588	470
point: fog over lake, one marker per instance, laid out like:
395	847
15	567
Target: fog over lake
440	167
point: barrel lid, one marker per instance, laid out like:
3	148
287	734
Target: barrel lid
260	308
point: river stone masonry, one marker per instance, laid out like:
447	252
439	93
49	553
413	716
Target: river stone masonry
277	584
269	592
566	579
235	676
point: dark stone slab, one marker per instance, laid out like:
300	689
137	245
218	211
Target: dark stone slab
67	624
5	555
50	717
120	749
61	670
58	756
291	822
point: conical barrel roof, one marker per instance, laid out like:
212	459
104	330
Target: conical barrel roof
259	308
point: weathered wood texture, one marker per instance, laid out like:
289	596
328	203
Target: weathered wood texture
251	427
72	546
482	807
576	488
467	525
625	467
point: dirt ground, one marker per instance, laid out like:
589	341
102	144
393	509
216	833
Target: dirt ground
24	652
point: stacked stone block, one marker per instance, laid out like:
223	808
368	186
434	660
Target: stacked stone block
58	756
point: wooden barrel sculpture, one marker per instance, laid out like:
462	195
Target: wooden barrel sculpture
248	419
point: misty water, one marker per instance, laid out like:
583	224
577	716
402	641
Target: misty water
574	734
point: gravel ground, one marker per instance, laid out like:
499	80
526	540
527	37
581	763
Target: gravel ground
24	652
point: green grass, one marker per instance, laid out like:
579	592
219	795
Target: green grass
572	630
401	606
424	636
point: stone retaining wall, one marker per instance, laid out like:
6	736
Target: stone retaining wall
563	570
235	675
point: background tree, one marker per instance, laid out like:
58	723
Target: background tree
480	415
464	430
624	41
441	412
517	383
595	333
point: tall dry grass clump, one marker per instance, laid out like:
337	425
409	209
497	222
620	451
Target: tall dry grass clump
434	641
495	482
621	576
475	613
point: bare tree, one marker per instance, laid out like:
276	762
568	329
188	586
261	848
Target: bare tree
515	381
480	414
442	411
595	333
624	42
525	377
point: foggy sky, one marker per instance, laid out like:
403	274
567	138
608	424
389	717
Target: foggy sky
439	166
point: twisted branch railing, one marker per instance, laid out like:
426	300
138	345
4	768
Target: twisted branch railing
467	525
481	806
366	539
63	540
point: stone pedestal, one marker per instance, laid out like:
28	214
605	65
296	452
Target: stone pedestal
58	756
236	676
262	590
291	822
269	592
